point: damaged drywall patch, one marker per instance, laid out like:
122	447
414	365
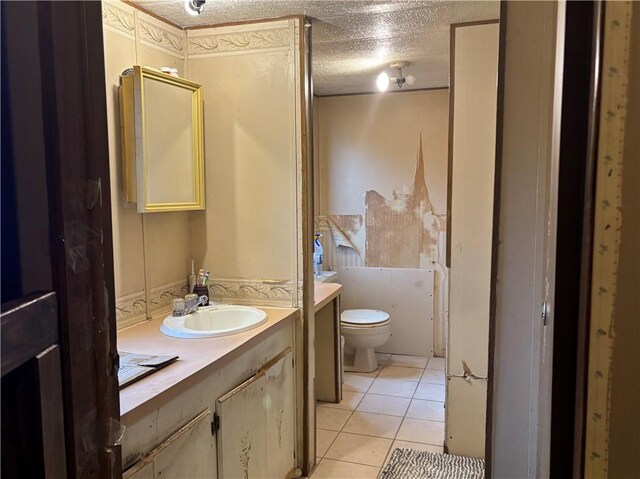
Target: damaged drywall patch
468	374
402	232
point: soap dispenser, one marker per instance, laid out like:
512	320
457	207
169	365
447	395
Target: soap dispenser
318	255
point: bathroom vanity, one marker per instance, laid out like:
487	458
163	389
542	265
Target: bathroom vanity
328	349
229	406
225	408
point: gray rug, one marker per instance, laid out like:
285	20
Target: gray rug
414	464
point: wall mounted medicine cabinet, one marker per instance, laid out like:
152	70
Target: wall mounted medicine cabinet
161	117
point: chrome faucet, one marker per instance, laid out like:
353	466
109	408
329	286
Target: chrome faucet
188	305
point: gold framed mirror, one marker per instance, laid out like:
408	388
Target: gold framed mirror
162	141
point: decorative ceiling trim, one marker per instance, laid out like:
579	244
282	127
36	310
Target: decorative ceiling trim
158	37
232	42
118	20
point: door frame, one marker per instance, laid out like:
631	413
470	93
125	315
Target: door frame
77	159
575	232
557	379
523	322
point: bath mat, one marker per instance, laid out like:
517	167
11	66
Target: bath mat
414	464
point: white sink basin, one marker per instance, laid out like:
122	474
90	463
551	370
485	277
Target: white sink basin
213	321
325	277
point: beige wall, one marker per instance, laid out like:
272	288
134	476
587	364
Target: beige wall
387	196
370	142
151	251
474	74
247	235
252	150
370	179
316	153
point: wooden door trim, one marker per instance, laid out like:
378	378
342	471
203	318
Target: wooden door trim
77	157
27	328
29	336
47	366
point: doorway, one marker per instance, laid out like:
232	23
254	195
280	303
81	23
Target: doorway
383	167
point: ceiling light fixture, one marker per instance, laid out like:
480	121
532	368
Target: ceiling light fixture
194	7
383	79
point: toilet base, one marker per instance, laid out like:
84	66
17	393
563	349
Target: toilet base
361	360
362	341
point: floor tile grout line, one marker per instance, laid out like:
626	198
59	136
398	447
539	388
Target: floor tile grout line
340	431
389	396
367	435
405	417
395	438
377	437
397	397
353	411
352	462
341	428
350	416
330	444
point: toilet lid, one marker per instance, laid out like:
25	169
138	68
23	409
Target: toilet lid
364	316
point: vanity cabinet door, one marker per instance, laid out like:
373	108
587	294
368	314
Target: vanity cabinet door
256	435
279	404
242	441
141	470
188	453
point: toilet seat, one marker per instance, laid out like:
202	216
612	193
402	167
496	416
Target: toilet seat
364	318
364	330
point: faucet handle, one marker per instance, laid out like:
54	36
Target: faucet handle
192	301
203	300
202	292
177	307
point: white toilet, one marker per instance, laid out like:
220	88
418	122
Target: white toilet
363	330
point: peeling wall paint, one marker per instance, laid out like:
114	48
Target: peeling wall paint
351	228
402	232
343	230
384	187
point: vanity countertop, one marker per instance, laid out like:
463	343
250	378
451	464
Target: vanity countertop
323	293
195	355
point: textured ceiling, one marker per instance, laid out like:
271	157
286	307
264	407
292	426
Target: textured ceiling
353	41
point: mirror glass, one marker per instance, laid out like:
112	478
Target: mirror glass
169	142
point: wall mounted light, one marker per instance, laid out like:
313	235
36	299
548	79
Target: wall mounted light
194	7
383	80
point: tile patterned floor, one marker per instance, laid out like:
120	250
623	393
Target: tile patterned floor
399	405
